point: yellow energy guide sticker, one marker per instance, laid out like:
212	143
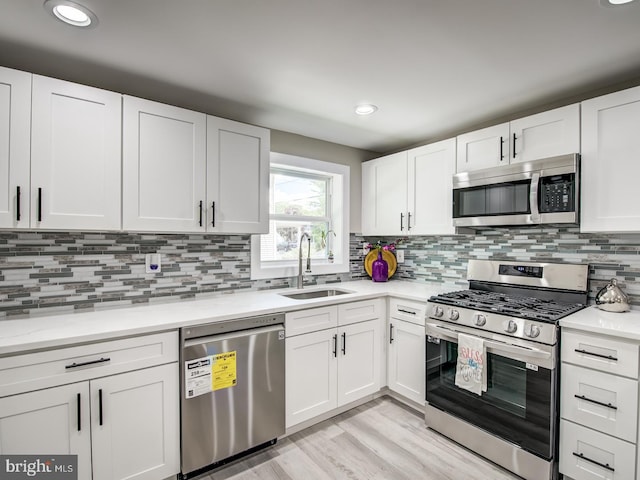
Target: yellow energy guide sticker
223	371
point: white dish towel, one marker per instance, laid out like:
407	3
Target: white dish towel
471	371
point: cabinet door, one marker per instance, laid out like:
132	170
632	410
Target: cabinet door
75	156
237	177
384	195
15	134
54	421
311	375
484	148
164	163
610	167
547	134
431	168
358	361
135	424
406	359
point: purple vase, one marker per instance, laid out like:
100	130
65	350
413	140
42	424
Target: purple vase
380	269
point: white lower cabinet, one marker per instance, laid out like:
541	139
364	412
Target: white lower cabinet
598	407
329	368
121	426
406	349
54	421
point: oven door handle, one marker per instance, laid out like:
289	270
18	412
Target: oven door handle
492	346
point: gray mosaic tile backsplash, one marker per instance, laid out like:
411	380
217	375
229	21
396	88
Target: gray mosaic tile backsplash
43	273
443	259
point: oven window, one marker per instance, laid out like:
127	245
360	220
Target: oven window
518	405
501	199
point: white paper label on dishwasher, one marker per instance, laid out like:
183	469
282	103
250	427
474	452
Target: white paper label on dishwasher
197	375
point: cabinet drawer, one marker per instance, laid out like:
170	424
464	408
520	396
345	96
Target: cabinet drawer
355	312
33	371
601	401
604	457
312	320
413	312
605	354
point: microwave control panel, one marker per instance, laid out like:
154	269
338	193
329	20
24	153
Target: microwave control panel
557	194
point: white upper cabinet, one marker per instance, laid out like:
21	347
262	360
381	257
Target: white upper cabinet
15	128
384	195
610	163
409	192
547	134
483	148
237	177
429	191
164	167
75	156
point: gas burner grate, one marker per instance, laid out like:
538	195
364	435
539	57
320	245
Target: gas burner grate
531	308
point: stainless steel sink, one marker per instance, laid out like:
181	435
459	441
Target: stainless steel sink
325	292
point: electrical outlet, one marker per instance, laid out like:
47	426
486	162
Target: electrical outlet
400	256
365	250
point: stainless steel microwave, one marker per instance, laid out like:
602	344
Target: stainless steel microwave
528	193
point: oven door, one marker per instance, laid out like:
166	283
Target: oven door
519	405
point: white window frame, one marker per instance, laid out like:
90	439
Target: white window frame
339	215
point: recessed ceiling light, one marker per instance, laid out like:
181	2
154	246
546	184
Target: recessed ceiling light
71	13
366	109
614	3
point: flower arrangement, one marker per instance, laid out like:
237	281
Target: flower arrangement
379	246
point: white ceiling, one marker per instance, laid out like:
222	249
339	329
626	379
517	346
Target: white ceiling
435	68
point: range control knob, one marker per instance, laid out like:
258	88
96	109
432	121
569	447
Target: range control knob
480	320
437	311
510	326
532	331
454	314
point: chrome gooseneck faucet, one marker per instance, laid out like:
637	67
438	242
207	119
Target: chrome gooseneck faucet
300	280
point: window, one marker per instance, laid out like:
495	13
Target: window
306	196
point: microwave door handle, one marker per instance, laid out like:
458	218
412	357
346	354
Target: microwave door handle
533	198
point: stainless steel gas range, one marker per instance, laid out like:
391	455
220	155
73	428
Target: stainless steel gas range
510	314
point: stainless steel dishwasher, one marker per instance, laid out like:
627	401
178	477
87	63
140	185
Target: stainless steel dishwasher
233	396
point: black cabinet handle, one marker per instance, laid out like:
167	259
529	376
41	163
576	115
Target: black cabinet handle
514	145
408	221
586	399
100	405
18	204
501	148
335	345
401	221
39	204
200	221
608	357
213	214
90	362
406	311
581	455
344	343
79	415
391	333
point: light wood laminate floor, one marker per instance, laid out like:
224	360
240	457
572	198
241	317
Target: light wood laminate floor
381	440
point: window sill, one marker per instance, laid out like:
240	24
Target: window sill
283	271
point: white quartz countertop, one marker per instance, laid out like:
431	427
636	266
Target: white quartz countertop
594	320
26	334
